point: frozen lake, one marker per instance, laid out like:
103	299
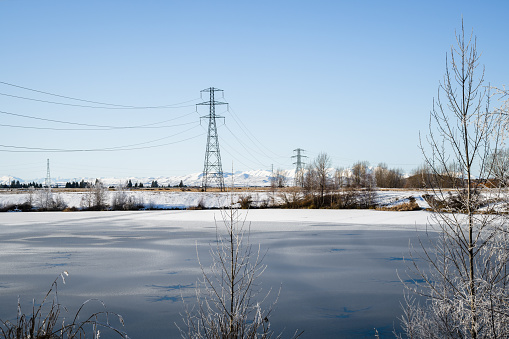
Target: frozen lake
336	268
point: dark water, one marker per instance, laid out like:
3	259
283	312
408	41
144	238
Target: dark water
334	283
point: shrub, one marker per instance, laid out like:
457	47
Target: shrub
228	301
454	202
199	206
411	205
245	201
123	201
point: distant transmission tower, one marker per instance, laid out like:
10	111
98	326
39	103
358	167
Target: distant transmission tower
299	166
47	182
212	168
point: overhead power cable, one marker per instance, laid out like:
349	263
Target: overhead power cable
91	125
96	129
113	106
248	149
225	146
107	149
235	158
243	146
20	149
246	146
99	107
251	136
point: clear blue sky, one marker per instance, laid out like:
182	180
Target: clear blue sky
354	79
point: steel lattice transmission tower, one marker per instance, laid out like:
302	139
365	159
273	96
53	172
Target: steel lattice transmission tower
299	166
47	182
212	168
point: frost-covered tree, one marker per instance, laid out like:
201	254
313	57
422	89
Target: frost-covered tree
95	196
465	276
322	166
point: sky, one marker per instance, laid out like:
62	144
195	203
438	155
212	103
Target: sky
353	79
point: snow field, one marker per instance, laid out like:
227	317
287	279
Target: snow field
182	200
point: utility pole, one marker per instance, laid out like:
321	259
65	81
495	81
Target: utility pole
299	166
212	168
47	182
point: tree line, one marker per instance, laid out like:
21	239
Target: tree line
17	184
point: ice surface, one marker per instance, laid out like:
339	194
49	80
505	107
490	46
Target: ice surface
336	268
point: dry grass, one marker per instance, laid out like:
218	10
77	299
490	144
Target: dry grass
46	321
411	205
245	201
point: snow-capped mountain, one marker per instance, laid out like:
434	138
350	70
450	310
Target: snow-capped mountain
240	178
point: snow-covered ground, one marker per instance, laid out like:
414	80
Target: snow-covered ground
336	268
182	200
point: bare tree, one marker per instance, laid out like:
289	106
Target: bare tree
299	178
227	304
322	166
381	175
339	178
280	178
309	179
465	279
123	200
95	197
361	175
388	178
419	177
99	192
499	162
46	200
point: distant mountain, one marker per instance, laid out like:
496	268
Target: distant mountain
7	179
246	178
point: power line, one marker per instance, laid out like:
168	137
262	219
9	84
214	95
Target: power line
247	132
224	144
242	144
233	150
245	146
95	107
114	106
23	149
155	140
23	165
95	129
88	125
39	150
235	158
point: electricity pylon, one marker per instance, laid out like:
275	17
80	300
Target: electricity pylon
212	168
299	166
47	182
